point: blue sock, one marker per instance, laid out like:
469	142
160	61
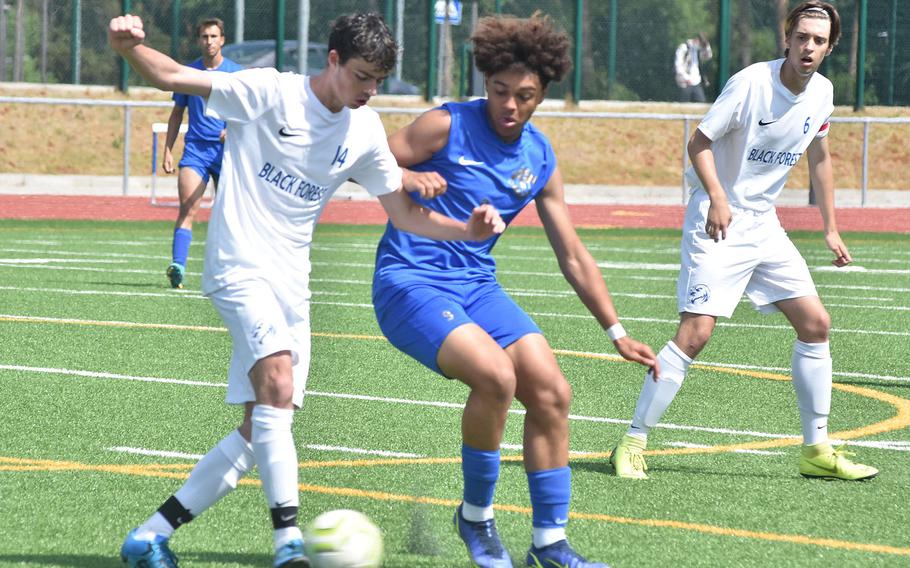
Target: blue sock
481	471
550	493
181	247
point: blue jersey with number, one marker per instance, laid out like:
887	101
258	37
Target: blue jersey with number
478	168
202	127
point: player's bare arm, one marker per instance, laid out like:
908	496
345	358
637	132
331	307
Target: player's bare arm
406	215
702	158
173	129
821	172
581	270
125	35
416	143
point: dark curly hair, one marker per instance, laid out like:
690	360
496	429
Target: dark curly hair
506	42
364	35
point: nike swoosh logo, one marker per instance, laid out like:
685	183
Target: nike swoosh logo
285	131
286	518
462	161
763	123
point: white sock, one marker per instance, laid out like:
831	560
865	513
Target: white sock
474	513
656	396
276	456
811	370
213	477
545	536
156	525
216	474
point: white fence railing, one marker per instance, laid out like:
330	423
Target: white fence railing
685	118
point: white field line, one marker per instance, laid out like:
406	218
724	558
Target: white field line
513	291
663	267
889	445
189	294
318	447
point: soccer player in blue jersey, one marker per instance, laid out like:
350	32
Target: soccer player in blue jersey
441	304
202	149
292	141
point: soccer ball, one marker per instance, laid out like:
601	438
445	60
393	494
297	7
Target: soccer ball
343	539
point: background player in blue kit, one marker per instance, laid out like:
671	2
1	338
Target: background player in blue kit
257	262
203	146
441	304
767	116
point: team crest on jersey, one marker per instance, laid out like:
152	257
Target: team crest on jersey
699	294
522	181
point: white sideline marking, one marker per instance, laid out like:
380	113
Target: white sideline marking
318	447
521	292
888	445
61	260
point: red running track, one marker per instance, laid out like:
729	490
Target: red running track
371	213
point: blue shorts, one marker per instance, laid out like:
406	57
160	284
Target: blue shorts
203	157
417	318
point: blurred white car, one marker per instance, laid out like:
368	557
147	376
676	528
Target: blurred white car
261	53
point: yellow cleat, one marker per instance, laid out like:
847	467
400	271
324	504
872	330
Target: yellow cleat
627	459
823	461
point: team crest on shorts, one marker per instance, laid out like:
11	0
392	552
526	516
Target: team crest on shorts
449	316
699	294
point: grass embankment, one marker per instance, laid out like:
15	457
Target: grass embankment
88	140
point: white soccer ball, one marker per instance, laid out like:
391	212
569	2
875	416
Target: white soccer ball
343	539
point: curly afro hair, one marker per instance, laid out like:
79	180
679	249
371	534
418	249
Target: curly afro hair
502	43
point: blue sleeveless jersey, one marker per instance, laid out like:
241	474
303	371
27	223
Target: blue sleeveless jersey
201	127
478	168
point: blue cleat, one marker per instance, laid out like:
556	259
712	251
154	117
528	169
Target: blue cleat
559	555
147	553
175	274
291	556
483	542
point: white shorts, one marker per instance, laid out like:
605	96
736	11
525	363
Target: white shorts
261	324
757	258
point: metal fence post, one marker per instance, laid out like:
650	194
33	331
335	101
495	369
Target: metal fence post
862	200
431	50
859	104
685	157
75	42
576	73
124	66
279	34
127	126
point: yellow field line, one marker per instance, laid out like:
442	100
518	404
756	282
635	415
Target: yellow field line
156	470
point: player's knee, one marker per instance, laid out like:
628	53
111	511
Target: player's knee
551	398
497	384
814	328
275	388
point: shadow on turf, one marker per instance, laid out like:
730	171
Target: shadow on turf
113	561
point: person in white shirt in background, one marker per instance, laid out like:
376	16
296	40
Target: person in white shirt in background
686	63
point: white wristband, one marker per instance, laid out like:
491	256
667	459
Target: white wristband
616	331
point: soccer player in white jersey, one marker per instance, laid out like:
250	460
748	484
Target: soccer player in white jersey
292	140
767	116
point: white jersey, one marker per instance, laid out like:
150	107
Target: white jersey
285	155
759	130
